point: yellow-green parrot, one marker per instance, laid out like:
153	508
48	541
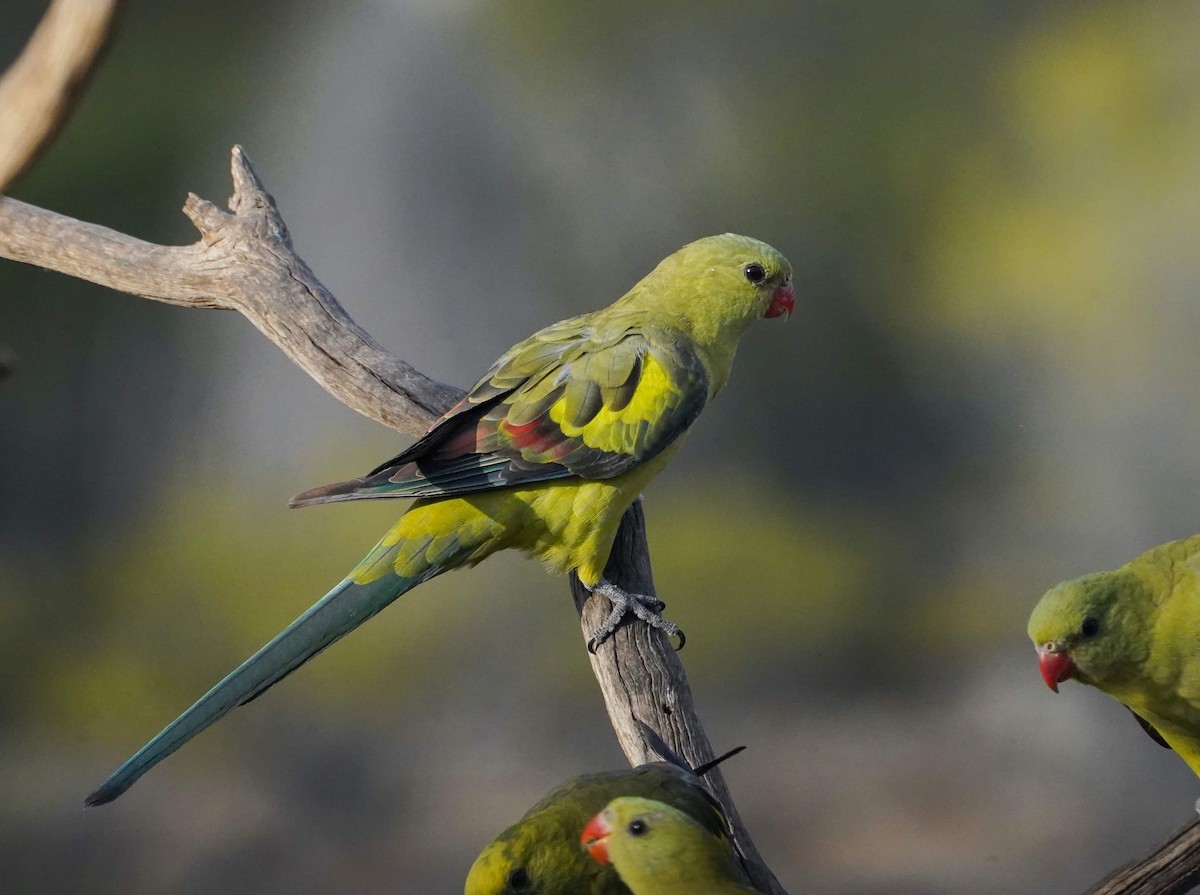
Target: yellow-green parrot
544	455
660	850
1135	634
540	854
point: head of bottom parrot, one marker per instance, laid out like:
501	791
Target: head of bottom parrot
540	854
659	850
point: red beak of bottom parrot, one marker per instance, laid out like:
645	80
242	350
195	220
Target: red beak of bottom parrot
595	838
1056	666
783	302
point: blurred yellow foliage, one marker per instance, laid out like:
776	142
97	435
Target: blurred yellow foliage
1052	221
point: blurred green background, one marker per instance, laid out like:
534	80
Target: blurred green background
989	386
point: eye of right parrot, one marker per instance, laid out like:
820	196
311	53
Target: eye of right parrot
754	273
518	880
638	827
1090	626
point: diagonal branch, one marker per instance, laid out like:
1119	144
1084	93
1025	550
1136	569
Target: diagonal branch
244	261
38	89
1171	869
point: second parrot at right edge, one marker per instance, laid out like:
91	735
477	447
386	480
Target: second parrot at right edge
1133	633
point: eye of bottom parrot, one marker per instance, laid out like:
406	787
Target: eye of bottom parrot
638	827
1090	626
755	273
518	880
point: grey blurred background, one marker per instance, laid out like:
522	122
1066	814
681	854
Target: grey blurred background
989	386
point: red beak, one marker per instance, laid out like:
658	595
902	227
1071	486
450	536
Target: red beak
783	302
1056	667
595	838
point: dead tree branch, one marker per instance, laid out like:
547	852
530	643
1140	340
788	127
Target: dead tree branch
1171	869
38	89
244	261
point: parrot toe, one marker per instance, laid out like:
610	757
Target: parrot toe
643	606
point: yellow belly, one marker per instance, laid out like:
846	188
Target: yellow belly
567	524
576	521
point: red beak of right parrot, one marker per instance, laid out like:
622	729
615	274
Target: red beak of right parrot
783	302
595	838
1056	666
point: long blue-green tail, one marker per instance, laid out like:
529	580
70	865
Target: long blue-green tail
336	614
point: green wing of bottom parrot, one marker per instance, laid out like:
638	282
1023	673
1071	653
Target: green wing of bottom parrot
1150	729
387	572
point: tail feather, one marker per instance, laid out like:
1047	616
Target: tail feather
336	614
366	488
328	493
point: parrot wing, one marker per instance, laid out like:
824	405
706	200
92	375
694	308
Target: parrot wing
577	399
1150	729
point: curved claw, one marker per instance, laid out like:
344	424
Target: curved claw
593	643
647	608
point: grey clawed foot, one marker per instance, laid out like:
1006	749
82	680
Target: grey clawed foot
647	608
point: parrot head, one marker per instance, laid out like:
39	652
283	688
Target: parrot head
719	285
630	818
655	836
1087	629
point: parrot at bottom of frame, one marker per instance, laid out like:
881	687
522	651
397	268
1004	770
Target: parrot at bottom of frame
659	850
544	455
1133	633
540	853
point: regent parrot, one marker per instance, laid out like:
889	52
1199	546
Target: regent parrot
660	850
1133	633
540	854
544	455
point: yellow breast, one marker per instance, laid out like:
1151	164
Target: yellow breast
577	520
567	524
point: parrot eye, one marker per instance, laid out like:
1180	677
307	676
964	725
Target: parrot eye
518	880
638	827
1090	626
754	273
